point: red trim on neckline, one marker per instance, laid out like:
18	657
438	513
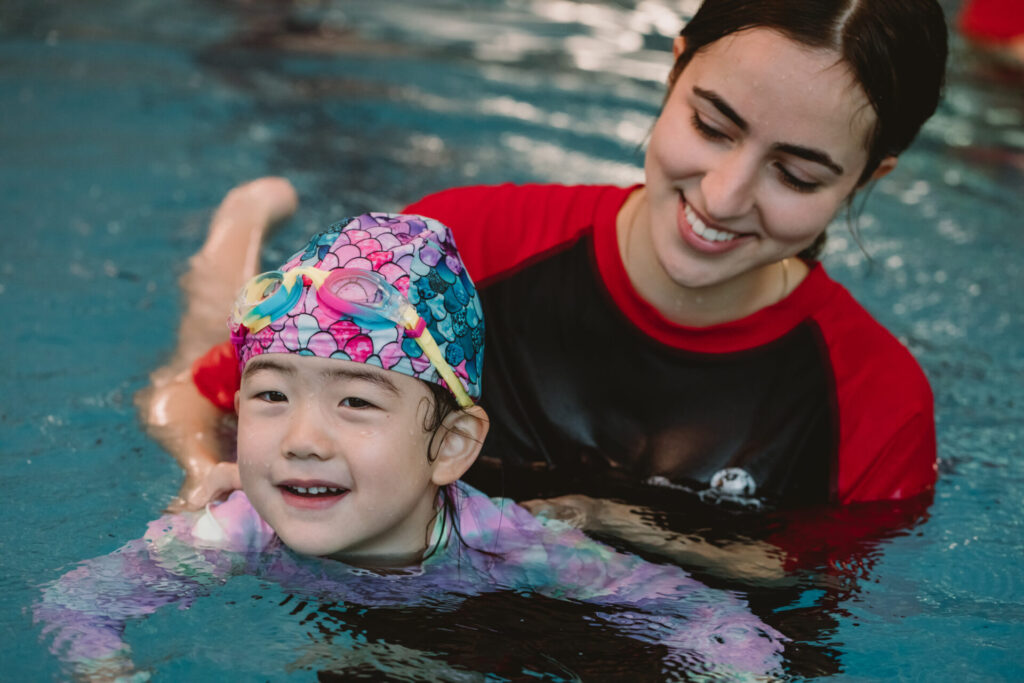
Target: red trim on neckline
756	329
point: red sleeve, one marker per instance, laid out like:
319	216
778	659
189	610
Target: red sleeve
216	376
904	467
885	408
502	228
841	538
992	20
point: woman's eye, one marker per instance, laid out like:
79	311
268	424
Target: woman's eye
272	396
706	130
354	402
795	183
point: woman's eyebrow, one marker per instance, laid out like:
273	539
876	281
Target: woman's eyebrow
811	154
718	103
815	155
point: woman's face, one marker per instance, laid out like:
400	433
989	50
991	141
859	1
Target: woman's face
760	142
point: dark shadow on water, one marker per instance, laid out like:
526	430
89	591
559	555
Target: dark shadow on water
829	551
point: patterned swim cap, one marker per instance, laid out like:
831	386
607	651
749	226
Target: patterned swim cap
417	256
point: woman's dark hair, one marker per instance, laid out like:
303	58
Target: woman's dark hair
895	49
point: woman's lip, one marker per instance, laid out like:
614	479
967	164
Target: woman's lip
699	243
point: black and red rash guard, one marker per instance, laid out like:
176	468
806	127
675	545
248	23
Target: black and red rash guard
811	398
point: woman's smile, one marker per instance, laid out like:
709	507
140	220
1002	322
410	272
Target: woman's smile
747	164
696	232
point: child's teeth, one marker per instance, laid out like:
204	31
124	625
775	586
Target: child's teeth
317	490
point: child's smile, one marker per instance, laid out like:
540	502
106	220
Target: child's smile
311	495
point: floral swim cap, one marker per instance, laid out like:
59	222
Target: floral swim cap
417	256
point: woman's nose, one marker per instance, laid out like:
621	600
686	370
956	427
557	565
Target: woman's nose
306	437
728	187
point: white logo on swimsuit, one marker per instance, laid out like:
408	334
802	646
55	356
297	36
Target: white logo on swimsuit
733	481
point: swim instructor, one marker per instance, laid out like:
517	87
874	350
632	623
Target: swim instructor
684	329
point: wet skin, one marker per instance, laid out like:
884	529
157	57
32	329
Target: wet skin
333	455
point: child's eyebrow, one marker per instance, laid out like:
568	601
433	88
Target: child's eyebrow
263	363
380	379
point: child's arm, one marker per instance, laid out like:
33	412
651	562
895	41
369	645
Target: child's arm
180	558
86	610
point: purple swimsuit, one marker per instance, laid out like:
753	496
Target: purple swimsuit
183	556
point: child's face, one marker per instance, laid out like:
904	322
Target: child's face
333	455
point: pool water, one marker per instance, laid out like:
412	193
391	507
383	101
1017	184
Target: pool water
123	124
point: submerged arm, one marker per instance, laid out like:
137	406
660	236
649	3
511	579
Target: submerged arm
86	610
702	628
748	560
180	558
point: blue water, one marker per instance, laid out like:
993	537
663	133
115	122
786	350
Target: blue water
122	125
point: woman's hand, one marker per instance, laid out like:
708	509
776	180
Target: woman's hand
581	512
202	488
186	424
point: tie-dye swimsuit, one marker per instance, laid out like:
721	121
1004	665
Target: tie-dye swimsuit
183	556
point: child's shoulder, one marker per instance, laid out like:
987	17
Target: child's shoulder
232	525
494	523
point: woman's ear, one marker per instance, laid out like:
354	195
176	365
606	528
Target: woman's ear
460	437
678	45
884	167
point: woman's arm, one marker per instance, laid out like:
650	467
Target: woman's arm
748	560
713	630
181	419
191	429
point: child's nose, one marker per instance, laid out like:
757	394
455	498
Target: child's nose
307	437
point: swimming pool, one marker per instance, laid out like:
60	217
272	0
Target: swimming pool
124	123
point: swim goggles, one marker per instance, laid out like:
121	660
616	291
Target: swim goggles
363	295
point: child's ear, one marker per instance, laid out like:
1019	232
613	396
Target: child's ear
459	439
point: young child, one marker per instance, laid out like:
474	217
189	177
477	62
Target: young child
359	362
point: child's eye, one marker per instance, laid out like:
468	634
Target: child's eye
706	130
792	181
271	396
354	402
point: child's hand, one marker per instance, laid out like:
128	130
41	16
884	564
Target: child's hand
214	483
